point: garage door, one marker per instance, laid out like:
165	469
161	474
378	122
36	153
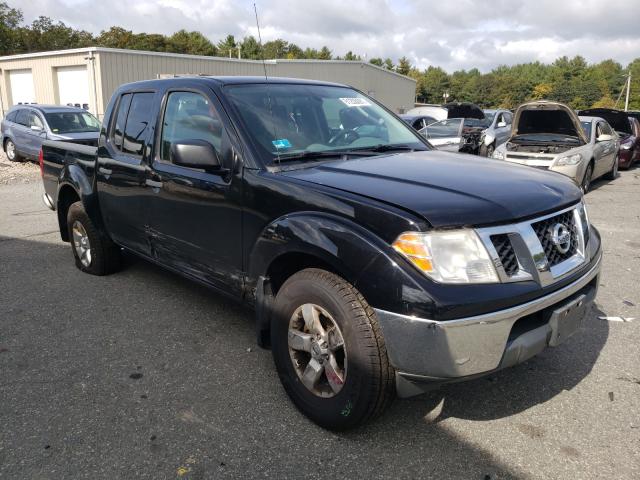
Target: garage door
73	86
21	82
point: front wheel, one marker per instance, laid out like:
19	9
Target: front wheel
586	180
94	253
12	153
329	351
487	150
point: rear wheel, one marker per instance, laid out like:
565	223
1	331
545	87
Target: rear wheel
94	253
586	180
329	351
613	173
12	153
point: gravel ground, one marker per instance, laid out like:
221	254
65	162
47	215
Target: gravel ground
143	374
17	172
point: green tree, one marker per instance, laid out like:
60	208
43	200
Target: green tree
44	34
250	48
10	19
192	43
376	61
115	37
227	47
404	66
324	54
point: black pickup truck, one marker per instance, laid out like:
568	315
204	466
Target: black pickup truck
375	264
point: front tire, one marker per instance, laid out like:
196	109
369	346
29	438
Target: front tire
586	180
487	150
10	150
329	351
94	253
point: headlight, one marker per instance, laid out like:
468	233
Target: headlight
570	160
455	256
498	155
626	146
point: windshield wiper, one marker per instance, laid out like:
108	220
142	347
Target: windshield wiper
382	148
313	155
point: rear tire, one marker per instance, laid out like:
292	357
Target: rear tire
613	173
365	382
10	150
93	251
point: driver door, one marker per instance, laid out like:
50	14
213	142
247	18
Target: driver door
194	221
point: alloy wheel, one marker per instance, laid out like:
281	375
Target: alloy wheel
11	150
317	350
81	243
586	181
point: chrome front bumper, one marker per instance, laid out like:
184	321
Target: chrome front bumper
430	350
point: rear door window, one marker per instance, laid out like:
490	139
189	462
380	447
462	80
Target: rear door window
137	125
121	117
23	117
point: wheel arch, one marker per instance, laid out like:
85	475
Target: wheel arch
304	240
73	186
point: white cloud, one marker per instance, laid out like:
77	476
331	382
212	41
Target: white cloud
454	35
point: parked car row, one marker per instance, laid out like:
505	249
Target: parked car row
25	127
583	145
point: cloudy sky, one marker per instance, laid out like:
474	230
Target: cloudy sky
451	34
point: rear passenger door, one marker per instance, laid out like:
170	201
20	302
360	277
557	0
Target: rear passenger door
121	169
194	214
20	138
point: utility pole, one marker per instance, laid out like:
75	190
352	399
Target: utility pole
239	57
626	102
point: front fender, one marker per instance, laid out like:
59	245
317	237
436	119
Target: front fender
358	255
344	245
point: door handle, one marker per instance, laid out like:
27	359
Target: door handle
153	183
105	171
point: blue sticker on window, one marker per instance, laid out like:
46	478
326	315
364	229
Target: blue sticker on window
281	143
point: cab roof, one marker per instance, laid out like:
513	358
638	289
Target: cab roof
229	80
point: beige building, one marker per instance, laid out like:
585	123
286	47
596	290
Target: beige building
88	76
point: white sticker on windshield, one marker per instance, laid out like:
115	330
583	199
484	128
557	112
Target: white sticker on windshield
355	102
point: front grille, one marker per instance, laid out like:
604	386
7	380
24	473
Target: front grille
544	231
506	253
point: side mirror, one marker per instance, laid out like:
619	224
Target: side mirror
36	128
604	138
502	124
195	154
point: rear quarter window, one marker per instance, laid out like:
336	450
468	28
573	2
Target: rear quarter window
12	116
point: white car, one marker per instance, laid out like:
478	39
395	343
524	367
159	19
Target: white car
551	136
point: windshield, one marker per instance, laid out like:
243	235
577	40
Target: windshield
443	129
72	122
489	116
586	126
286	121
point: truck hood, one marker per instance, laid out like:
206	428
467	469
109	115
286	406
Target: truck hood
617	119
448	189
547	117
464	110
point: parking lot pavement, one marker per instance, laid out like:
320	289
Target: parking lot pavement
143	374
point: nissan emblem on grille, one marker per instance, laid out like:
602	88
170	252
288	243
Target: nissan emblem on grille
561	237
